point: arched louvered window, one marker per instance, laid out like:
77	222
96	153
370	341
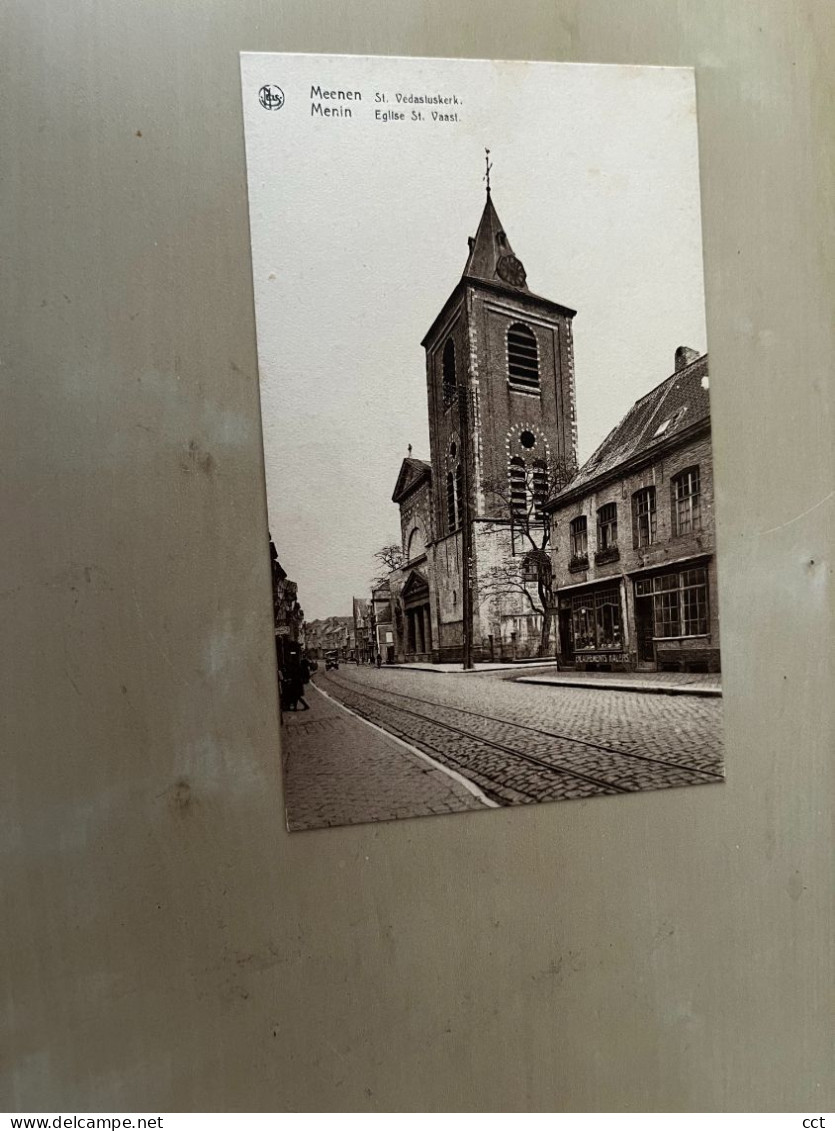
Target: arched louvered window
518	488
522	358
448	368
528	489
540	488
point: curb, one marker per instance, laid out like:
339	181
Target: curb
460	671
614	685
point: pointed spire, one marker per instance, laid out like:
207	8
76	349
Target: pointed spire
491	257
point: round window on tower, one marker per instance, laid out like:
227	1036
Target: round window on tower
527	439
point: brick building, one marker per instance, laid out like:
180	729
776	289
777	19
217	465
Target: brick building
500	393
633	544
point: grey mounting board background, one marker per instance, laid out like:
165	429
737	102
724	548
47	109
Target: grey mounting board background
167	945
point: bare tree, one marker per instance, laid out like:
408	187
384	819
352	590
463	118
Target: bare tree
526	569
389	558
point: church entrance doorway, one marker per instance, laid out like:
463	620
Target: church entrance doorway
417	620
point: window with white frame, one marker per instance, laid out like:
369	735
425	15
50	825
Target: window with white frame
607	527
679	603
687	501
644	517
579	537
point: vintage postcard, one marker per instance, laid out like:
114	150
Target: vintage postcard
486	417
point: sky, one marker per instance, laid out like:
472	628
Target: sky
359	232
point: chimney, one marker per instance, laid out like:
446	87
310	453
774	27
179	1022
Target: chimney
685	356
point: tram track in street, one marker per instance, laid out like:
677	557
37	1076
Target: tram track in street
522	775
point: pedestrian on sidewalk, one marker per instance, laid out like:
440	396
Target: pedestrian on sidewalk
379	661
295	682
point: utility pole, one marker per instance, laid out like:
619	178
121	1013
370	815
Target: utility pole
372	621
466	528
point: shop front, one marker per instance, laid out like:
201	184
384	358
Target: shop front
592	627
676	627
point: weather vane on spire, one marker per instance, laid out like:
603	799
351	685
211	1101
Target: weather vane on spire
488	165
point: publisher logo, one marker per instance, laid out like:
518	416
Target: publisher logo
271	97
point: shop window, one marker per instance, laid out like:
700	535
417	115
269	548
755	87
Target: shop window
694	606
522	358
686	501
596	623
679	603
644	522
448	367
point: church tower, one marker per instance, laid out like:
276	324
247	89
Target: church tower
512	350
500	387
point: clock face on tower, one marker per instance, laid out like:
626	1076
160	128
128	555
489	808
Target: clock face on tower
510	269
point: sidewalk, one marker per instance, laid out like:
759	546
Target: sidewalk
341	770
648	683
546	672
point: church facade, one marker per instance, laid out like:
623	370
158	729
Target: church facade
502	427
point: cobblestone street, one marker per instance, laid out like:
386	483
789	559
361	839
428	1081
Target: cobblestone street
517	743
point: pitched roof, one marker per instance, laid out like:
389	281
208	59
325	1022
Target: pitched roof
412	472
679	403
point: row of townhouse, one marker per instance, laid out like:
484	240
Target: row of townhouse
330	634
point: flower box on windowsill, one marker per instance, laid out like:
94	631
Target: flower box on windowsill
577	564
603	557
